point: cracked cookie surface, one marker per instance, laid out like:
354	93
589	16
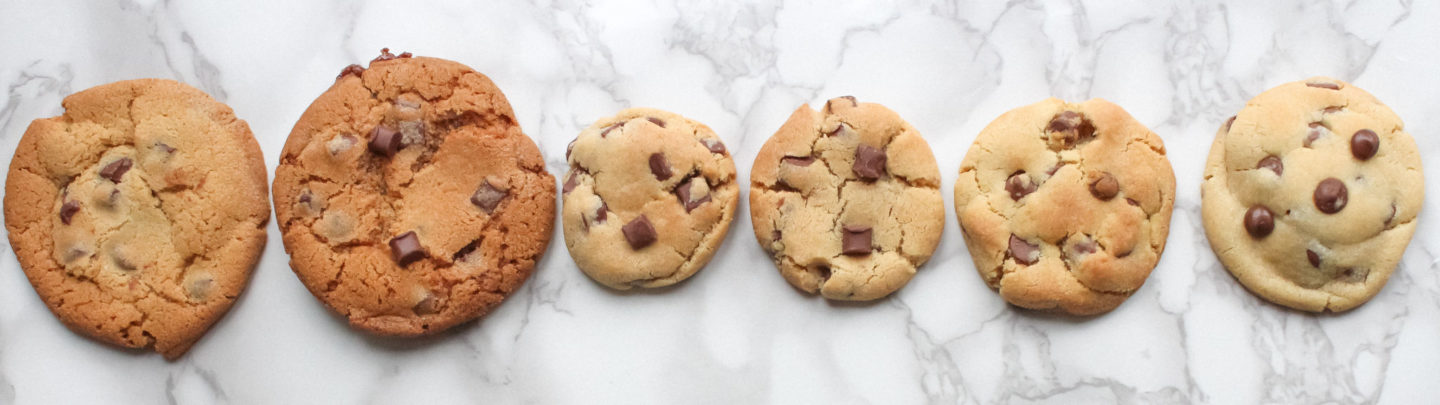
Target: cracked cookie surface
408	198
1311	193
648	198
139	214
1065	207
846	200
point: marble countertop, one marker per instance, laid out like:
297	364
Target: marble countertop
736	332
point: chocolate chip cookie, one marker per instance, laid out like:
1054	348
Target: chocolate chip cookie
648	198
846	200
409	199
139	214
1065	206
1311	194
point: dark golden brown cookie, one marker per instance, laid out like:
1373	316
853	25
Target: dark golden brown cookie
409	199
139	214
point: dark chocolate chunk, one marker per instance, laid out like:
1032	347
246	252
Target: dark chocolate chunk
714	145
1324	85
656	121
405	249
855	240
487	197
1364	144
1024	252
1105	187
1259	221
601	213
798	161
352	70
1331	195
116	169
869	162
639	232
689	201
1273	163
1314	258
69	209
1019	185
571	181
659	167
384	140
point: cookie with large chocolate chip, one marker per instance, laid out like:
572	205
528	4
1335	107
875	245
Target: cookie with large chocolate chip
139	214
1065	206
846	200
1311	194
409	199
648	198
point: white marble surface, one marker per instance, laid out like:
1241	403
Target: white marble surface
737	332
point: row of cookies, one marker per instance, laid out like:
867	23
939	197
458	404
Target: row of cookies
410	201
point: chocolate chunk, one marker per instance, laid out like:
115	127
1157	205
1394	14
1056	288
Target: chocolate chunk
1023	252
1259	221
851	99
68	211
639	232
1019	185
1316	129
1314	258
487	197
659	167
823	272
384	140
855	240
1065	121
683	191
656	121
1105	187
612	127
428	305
869	162
601	213
839	129
352	70
1273	163
775	235
1228	123
1331	195
405	249
386	55
798	161
1364	144
1324	85
714	145
467	249
1068	129
571	181
116	169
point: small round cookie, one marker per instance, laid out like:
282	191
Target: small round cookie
409	199
1065	207
847	200
139	214
648	198
1311	194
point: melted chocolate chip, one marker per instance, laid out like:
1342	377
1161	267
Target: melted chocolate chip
571	181
1019	185
352	70
405	249
115	170
798	161
1023	252
384	140
714	145
639	232
1105	187
1273	163
612	127
1228	123
1364	144
1069	129
687	199
487	197
1331	195
869	162
1314	258
851	99
1259	221
1316	129
1324	85
656	121
659	167
855	240
1065	121
70	208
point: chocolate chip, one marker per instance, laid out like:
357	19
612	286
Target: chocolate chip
352	70
714	145
855	240
656	121
1331	195
340	144
161	146
1069	128
1019	185
684	192
1084	247
405	249
428	305
1332	110
659	167
1324	85
1393	210
487	197
1023	252
1259	221
384	140
1105	187
571	181
570	147
798	161
840	128
869	162
1228	123
851	99
775	235
601	213
1132	201
1065	121
68	211
639	232
75	253
116	169
1364	144
823	272
1273	163
1314	258
612	127
386	55
1316	129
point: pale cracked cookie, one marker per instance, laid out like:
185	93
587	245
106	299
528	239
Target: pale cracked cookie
409	199
846	200
1065	207
139	214
1311	194
648	198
